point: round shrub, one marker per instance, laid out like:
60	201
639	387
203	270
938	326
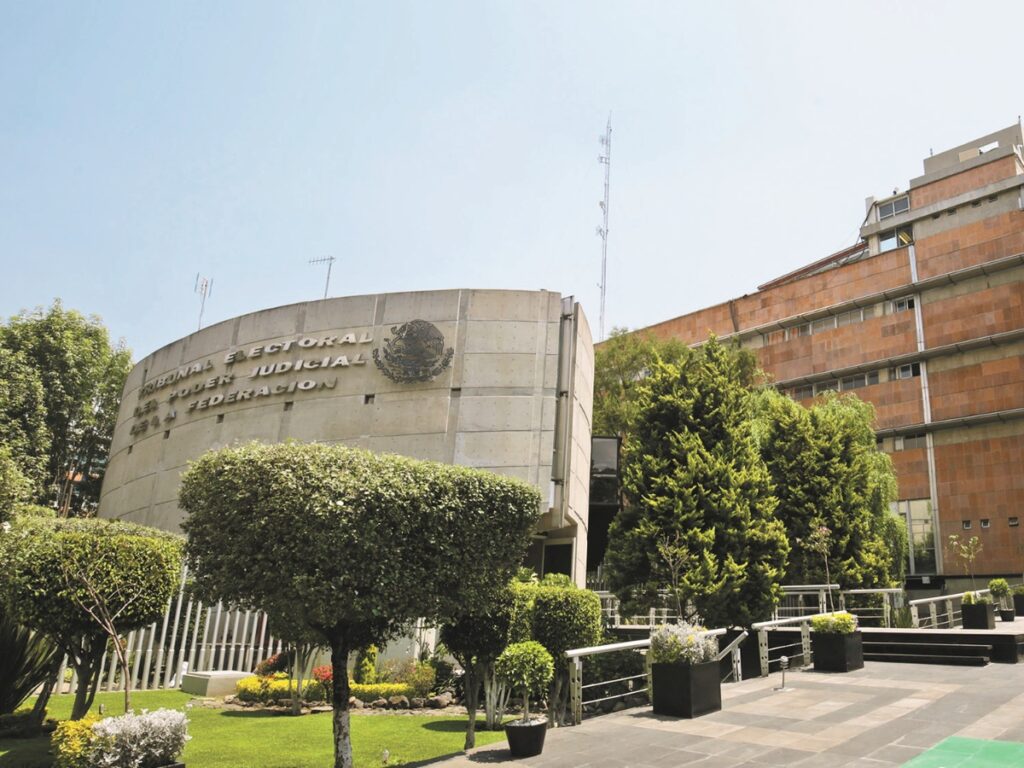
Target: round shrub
999	588
72	742
525	667
682	644
840	623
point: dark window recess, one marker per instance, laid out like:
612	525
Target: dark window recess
908	371
803	393
289	405
604	490
914	441
1013	521
985	523
558	559
604	456
167	433
368	399
130	450
220	417
965	524
902	305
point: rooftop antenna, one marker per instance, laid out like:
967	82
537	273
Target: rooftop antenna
204	288
605	158
329	261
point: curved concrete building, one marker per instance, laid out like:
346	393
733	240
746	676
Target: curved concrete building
499	380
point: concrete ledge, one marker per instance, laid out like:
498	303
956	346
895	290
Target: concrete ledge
211	683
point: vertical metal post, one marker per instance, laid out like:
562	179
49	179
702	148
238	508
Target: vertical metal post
195	635
234	647
179	658
762	650
174	630
201	661
886	612
805	642
949	613
914	618
576	690
144	681
140	641
224	642
737	665
934	613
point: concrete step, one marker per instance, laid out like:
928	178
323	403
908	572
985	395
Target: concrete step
919	658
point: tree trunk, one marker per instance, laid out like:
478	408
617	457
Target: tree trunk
340	694
556	708
122	662
39	709
472	684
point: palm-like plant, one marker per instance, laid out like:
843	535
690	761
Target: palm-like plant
26	659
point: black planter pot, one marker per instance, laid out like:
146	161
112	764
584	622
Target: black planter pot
979	616
526	740
1018	604
1007	614
833	652
683	690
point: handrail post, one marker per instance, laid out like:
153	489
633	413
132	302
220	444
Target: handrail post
886	612
576	690
805	642
914	619
762	650
737	665
934	612
949	613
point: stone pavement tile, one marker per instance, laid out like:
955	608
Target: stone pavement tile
781	756
897	753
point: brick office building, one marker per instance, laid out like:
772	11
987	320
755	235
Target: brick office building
924	317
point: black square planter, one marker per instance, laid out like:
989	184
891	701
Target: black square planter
683	690
834	652
1007	614
979	616
1018	604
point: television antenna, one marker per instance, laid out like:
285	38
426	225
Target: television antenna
204	288
605	158
329	261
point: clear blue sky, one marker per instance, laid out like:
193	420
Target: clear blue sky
454	144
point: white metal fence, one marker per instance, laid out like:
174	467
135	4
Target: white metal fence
190	636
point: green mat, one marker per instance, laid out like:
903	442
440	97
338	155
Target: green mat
956	752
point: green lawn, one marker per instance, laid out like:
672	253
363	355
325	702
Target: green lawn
246	739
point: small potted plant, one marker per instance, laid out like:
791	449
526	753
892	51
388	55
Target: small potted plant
1018	600
684	671
528	668
836	643
1000	590
977	612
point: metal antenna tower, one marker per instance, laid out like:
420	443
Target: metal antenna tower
604	158
329	261
204	288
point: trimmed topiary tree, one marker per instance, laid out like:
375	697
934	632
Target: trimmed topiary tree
525	667
564	617
350	544
83	582
476	640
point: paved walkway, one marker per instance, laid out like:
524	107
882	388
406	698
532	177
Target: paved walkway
883	715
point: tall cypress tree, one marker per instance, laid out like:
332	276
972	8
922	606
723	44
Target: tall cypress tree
699	513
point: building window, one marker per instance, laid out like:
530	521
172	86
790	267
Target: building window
921	530
894	207
895	238
901	305
167	433
804	392
823	324
908	371
1014	521
909	442
368	399
826	386
289	405
965	524
804	329
220	418
986	523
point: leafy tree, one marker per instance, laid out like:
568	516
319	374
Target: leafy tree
350	545
476	640
83	582
693	477
828	473
620	363
14	486
966	551
82	376
23	417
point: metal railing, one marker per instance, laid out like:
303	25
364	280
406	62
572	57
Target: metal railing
885	614
809	599
577	655
950	615
653	617
764	649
